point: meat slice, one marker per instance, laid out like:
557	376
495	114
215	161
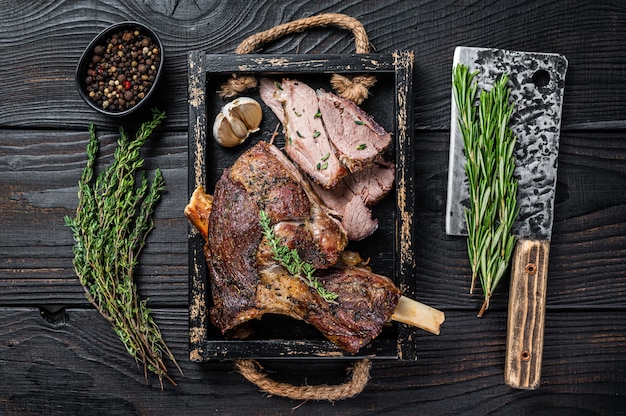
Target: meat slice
269	91
351	198
306	141
357	219
357	138
373	183
246	282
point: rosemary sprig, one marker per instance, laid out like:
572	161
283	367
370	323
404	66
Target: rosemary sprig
489	144
113	219
290	260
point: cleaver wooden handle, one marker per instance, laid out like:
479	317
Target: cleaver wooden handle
527	310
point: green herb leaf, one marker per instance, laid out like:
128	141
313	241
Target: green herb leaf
291	261
113	220
489	144
362	146
318	114
316	134
358	122
299	134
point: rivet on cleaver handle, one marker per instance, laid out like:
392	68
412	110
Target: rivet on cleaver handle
537	83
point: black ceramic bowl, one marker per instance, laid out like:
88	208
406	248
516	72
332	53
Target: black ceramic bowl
120	69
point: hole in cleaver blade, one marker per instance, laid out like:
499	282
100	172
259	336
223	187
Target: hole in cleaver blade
537	83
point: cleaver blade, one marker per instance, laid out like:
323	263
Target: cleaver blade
537	83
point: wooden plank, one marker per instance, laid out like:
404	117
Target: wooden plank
37	189
594	72
68	363
39	174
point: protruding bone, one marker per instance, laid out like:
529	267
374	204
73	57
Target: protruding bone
412	312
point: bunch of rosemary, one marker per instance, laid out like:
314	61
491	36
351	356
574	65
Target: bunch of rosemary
489	145
113	219
290	260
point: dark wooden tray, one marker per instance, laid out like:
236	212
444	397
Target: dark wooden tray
390	248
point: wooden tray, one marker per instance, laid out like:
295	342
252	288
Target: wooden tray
390	248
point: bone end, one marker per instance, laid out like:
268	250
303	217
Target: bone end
412	312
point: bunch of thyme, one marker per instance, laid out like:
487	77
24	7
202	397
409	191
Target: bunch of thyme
489	145
113	219
290	260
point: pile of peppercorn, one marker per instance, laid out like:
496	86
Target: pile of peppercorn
122	70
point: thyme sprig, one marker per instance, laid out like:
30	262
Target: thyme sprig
489	145
290	260
113	219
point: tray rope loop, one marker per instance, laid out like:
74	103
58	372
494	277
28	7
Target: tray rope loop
359	376
354	88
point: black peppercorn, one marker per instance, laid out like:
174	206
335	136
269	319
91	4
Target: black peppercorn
122	70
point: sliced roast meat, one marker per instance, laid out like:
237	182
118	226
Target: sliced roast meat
337	198
269	90
357	219
306	141
351	198
357	138
373	182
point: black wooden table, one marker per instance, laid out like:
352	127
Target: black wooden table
58	356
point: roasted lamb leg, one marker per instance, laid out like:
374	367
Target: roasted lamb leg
246	282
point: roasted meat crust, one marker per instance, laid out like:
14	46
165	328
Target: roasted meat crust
246	282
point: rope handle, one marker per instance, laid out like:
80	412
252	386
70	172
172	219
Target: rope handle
253	372
355	88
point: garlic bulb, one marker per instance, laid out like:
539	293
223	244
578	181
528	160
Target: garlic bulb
236	121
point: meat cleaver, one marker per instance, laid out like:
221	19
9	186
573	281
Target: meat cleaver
537	82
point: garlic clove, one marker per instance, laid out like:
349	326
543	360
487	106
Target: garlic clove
238	127
223	132
248	111
236	121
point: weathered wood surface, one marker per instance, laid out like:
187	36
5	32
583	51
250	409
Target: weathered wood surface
58	356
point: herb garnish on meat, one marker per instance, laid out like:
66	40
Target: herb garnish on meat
290	260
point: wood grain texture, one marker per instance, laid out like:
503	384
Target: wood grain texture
59	357
526	314
44	81
66	363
